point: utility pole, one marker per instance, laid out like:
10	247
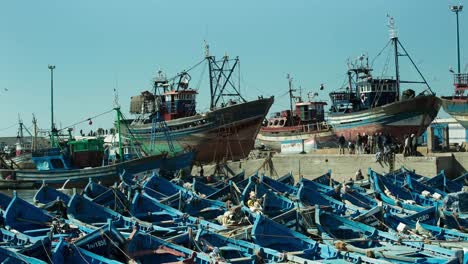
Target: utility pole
52	125
456	9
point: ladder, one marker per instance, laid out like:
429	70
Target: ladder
160	125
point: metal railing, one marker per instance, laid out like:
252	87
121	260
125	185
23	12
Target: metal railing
460	79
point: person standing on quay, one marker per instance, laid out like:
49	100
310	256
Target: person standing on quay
341	144
414	146
407	148
359	143
370	143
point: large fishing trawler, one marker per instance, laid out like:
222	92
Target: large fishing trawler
369	104
302	125
226	132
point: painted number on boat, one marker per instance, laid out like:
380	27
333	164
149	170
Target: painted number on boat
99	243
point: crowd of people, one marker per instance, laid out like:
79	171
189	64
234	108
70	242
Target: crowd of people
382	145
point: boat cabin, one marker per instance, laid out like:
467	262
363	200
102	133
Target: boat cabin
305	113
87	152
173	101
460	81
177	104
368	93
51	159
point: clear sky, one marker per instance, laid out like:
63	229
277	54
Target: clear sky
97	46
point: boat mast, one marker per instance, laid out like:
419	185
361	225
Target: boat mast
117	109
20	130
34	141
220	73
456	9
394	39
291	96
210	70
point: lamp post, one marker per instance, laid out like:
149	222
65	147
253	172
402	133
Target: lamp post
456	9
52	126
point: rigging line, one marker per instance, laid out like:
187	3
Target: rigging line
380	53
85	120
186	71
197	87
6	128
417	69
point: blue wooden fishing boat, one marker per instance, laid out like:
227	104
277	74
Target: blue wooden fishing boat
417	225
269	234
413	202
208	189
463	179
26	218
47	194
232	250
359	237
83	210
145	248
162	189
269	202
68	253
11	257
277	186
36	247
204	189
148	209
441	183
183	199
106	242
110	197
53	200
449	219
408	181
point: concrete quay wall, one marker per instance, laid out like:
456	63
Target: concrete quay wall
344	167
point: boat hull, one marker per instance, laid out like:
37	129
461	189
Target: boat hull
222	134
321	139
106	175
398	119
457	108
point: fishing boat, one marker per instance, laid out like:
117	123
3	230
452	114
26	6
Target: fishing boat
110	197
269	202
302	125
428	230
65	253
107	175
81	210
358	237
457	104
146	248
270	234
226	131
373	104
443	184
9	256
72	164
232	250
69	162
148	209
25	217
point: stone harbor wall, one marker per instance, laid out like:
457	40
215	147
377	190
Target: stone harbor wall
343	167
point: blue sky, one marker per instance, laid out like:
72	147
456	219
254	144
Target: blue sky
101	45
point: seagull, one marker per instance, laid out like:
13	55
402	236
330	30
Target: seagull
451	70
